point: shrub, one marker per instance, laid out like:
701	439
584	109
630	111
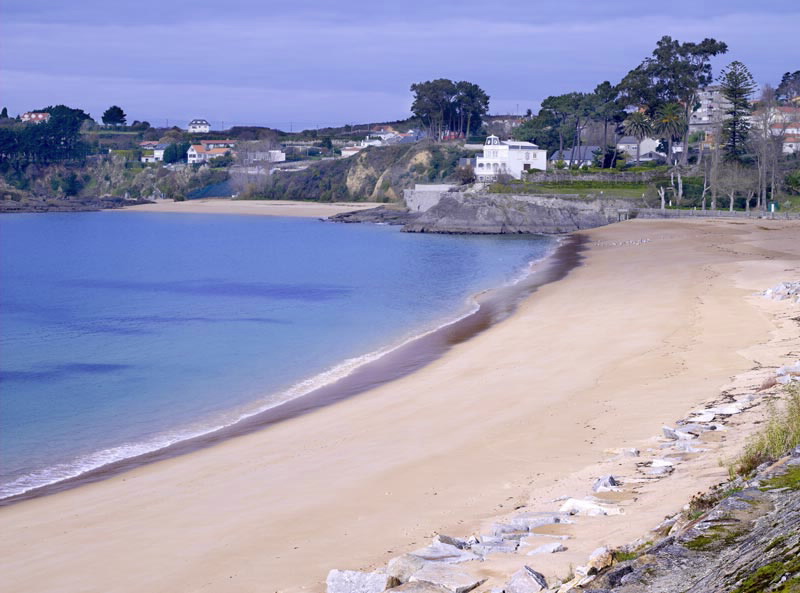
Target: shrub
780	434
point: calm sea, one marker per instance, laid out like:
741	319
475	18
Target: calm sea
124	332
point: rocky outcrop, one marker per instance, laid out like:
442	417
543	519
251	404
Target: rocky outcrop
380	215
36	204
505	213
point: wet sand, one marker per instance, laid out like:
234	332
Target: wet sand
255	207
658	318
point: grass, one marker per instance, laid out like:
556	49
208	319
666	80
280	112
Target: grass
791	480
769	575
780	434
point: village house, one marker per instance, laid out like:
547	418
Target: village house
209	144
711	110
580	156
153	152
509	157
199	126
627	144
198	153
35	117
791	144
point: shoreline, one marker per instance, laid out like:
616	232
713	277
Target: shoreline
291	208
518	415
383	366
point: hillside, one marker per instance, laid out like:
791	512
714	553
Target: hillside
375	174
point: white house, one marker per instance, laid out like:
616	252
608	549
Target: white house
154	153
351	150
35	117
627	144
791	144
510	157
200	154
199	126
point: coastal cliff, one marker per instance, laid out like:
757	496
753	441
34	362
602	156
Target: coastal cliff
500	213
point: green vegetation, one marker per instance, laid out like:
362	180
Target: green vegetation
791	480
768	576
780	434
447	107
737	86
114	116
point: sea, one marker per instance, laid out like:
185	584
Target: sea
123	333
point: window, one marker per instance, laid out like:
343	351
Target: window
527	156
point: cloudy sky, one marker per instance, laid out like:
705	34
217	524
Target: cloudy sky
306	63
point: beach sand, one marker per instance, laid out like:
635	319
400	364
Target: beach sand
294	208
659	318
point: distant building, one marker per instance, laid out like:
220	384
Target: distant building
791	144
580	156
199	126
209	144
509	157
35	117
711	110
628	145
200	154
351	150
153	152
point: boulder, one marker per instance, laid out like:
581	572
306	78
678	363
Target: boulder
503	546
452	541
630	452
600	558
549	548
403	567
574	506
526	580
419	587
704	416
606	484
726	409
353	581
441	552
452	578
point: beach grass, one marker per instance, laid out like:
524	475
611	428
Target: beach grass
780	434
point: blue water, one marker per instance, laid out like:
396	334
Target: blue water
122	332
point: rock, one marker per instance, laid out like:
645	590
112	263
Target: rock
606	484
669	433
574	506
661	463
664	470
526	580
726	410
503	546
453	541
687	447
704	416
403	567
353	581
600	558
452	578
441	552
550	548
526	522
419	587
630	452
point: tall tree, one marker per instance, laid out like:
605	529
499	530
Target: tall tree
789	88
446	106
737	86
670	124
114	116
640	127
4	113
674	74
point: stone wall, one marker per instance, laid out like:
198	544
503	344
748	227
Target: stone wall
555	175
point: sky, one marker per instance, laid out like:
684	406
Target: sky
302	64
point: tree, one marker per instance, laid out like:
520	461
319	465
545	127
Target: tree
674	74
789	88
114	116
736	85
607	108
445	106
640	127
544	131
670	124
176	152
4	113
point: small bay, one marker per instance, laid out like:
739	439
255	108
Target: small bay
124	332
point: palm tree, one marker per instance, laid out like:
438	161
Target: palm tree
670	123
640	127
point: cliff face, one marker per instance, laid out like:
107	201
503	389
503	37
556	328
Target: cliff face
503	213
375	174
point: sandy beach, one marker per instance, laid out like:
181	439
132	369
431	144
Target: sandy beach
659	318
295	208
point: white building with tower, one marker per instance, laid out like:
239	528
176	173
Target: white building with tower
199	126
510	157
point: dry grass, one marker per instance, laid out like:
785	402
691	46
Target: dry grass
780	434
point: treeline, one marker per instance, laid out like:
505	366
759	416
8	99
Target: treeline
56	140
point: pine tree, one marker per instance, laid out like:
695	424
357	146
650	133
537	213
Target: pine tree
737	86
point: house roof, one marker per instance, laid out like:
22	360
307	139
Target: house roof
583	153
521	144
204	142
200	149
198	122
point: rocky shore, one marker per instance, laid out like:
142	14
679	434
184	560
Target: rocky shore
742	536
39	204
